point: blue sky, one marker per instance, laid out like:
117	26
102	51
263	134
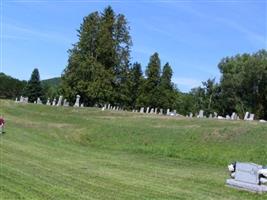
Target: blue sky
192	36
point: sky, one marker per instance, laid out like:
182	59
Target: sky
193	36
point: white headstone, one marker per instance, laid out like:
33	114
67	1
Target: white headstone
142	110
147	110
48	102
168	111
77	102
39	101
161	111
191	115
152	111
59	103
246	116
201	114
251	117
54	102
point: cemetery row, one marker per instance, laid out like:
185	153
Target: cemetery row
248	116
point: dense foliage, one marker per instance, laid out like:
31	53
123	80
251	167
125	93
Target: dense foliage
34	89
99	67
10	87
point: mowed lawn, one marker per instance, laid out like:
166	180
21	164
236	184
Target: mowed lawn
85	153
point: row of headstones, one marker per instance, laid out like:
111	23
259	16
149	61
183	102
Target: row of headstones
248	116
54	103
147	110
22	100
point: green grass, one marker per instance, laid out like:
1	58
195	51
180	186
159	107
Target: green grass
85	153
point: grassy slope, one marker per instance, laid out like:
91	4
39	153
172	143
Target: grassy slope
66	153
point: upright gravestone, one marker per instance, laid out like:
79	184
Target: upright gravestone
233	116
108	106
26	99
59	103
142	110
152	111
147	110
65	102
48	102
156	110
39	101
82	105
215	115
210	116
201	114
161	111
77	102
168	111
246	116
54	102
227	117
16	100
21	100
251	117
247	176
174	112
191	115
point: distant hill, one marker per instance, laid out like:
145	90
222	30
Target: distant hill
54	82
10	87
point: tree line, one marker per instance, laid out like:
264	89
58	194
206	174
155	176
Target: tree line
100	71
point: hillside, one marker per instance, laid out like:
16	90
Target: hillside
52	82
86	153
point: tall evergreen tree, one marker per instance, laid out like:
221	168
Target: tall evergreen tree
98	65
136	83
166	89
34	89
150	90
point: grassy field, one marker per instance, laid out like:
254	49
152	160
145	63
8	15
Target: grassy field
85	153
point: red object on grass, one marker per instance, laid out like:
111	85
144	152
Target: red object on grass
2	121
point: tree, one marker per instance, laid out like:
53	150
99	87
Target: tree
136	81
150	90
34	89
98	65
10	87
166	89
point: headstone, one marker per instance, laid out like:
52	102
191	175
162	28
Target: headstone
161	111
108	106
82	105
215	115
114	107
16	100
262	121
246	176
48	102
220	117
35	102
54	102
65	102
168	111
152	111
21	100
233	116
174	113
77	102
59	103
246	116
156	110
227	117
147	110
210	116
251	117
191	115
201	114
